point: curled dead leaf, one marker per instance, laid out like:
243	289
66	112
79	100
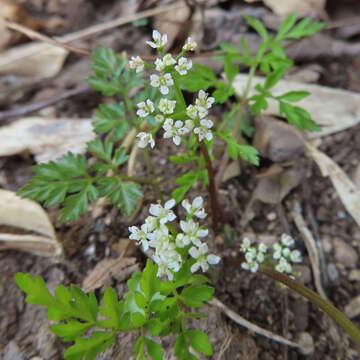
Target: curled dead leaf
342	106
48	139
29	215
346	189
36	60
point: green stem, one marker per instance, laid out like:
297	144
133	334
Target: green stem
179	95
244	97
316	299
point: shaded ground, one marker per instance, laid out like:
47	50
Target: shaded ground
24	330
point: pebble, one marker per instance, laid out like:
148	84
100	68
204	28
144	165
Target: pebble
271	216
345	254
12	352
306	343
333	273
354	275
327	244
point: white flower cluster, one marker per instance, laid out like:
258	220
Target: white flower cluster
154	233
197	113
254	256
282	254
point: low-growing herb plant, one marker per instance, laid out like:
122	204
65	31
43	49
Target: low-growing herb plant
162	297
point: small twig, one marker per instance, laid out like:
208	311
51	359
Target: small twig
226	344
311	248
29	108
247	324
35	35
81	34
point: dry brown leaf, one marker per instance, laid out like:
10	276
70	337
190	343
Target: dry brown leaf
119	269
302	7
27	214
36	60
311	249
333	109
233	169
276	140
272	189
48	139
346	189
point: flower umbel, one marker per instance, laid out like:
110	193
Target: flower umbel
154	233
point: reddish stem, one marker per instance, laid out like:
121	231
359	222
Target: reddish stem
216	211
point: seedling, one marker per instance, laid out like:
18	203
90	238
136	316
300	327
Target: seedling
164	295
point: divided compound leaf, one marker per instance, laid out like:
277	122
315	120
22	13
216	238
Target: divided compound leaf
111	117
199	341
194	296
154	349
35	288
88	348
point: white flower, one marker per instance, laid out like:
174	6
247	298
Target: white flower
192	233
262	248
164	82
295	256
254	257
189	124
137	63
190	44
203	100
174	130
283	266
140	235
145	109
159	40
167	259
195	112
164	214
167	60
145	138
245	244
167	106
159	118
203	130
183	66
287	240
195	209
203	261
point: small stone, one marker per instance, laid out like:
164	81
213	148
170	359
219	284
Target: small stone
271	216
306	343
327	244
322	214
345	254
12	352
354	275
352	309
333	273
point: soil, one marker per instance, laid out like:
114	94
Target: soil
102	234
